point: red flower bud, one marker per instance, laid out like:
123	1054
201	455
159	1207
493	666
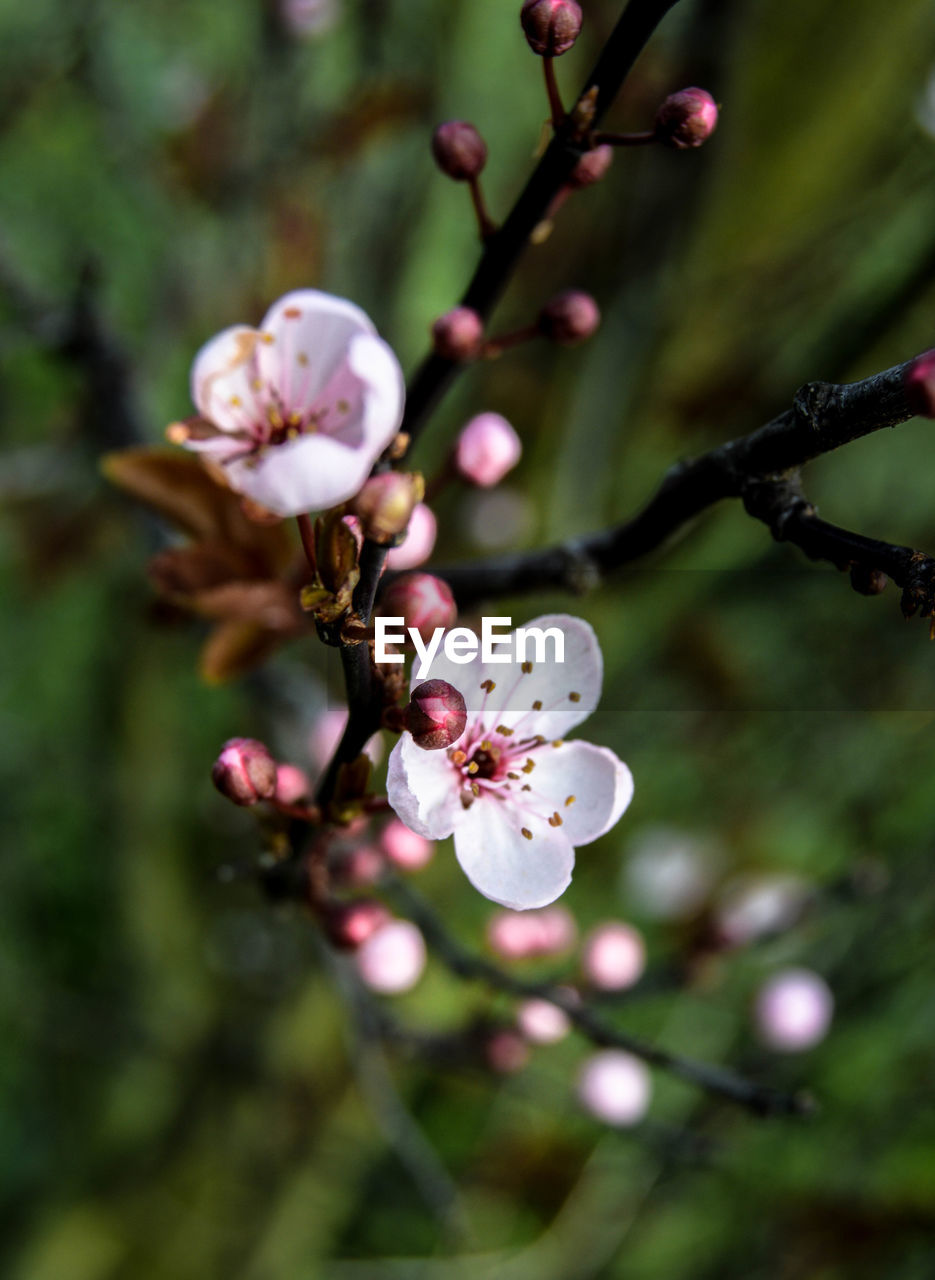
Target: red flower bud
459	150
686	119
569	317
457	334
551	26
349	924
292	784
245	771
436	716
592	166
920	385
423	600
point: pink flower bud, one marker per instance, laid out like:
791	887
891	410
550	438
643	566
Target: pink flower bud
419	542
487	449
686	119
350	924
457	334
542	1022
519	935
506	1052
551	26
436	716
591	167
920	385
569	318
615	1087
359	867
292	784
245	771
404	848
385	503
392	959
423	600
459	150
613	956
793	1010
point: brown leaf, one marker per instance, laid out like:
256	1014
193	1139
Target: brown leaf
270	605
181	571
233	648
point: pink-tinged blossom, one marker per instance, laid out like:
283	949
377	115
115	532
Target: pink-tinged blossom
392	959
517	798
613	956
507	1052
522	935
405	849
298	410
615	1087
487	449
756	906
350	924
669	873
793	1010
542	1022
422	600
419	540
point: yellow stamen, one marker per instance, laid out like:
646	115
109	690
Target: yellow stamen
526	832
574	697
527	668
569	800
537	705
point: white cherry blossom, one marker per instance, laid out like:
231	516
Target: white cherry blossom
296	411
516	796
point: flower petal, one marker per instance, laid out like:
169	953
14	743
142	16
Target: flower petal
568	691
424	789
309	473
587	786
222	380
304	338
504	865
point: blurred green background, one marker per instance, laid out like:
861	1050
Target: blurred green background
180	1091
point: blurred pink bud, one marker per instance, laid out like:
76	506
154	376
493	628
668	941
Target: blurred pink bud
385	504
244	772
392	959
669	873
920	385
613	956
591	167
487	449
755	906
459	150
542	1022
419	540
615	1087
793	1010
551	26
436	715
424	601
304	18
518	935
292	784
507	1052
359	867
404	848
569	318
326	733
686	119
457	334
350	924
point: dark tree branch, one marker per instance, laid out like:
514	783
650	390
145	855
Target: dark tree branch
762	469
714	1080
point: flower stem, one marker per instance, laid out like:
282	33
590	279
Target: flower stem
555	98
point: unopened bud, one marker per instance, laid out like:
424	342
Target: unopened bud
920	385
385	504
686	119
570	317
244	772
592	166
459	150
423	600
404	848
487	449
551	26
419	541
292	784
869	582
436	716
457	335
349	924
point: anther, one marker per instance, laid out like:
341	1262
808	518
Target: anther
526	832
